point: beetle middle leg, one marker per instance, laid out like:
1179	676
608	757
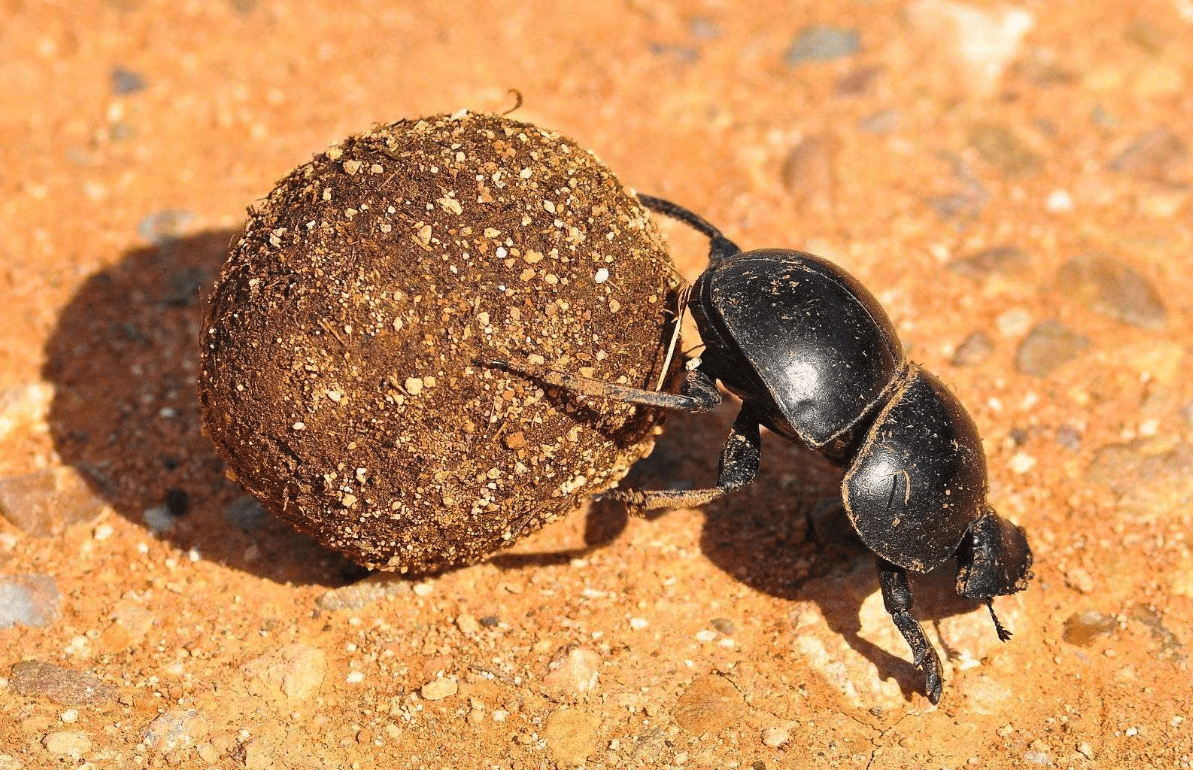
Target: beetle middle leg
897	598
738	467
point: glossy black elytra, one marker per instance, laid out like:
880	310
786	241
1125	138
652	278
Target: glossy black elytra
815	359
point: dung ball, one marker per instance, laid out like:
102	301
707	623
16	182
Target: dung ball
339	376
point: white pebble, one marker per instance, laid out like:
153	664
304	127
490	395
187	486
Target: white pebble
70	715
638	623
601	276
1059	201
1021	462
355	677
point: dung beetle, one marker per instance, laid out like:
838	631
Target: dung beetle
814	358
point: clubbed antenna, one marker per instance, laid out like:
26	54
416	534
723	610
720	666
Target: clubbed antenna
720	246
1003	634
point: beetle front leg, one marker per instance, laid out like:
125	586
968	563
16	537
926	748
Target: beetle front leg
697	394
897	598
739	466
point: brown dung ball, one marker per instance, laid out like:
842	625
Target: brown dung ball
339	369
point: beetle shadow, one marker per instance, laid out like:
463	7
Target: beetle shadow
786	535
124	361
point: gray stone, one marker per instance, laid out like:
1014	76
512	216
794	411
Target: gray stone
973	350
1047	347
159	519
125	82
31	600
1113	289
164	226
373	588
246	513
62	685
996	260
821	42
44	502
1155	155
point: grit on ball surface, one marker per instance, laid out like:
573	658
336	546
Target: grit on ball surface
339	377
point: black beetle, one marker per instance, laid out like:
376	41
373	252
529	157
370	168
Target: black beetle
814	358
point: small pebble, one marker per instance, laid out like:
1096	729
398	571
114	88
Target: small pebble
1083	628
775	737
164	226
70	716
723	625
638	623
1021	462
1086	750
1154	155
1047	347
159	519
245	513
73	744
573	672
356	677
821	42
975	349
996	260
44	502
126	81
998	145
61	685
373	588
439	688
1113	289
1059	202
983	40
177	729
31	600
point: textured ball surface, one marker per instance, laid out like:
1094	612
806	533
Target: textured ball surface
339	377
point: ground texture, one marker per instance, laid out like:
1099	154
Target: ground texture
1013	182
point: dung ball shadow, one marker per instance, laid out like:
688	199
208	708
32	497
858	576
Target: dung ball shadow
123	360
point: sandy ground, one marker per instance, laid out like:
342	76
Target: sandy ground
1013	182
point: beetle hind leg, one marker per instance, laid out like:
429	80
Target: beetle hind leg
897	598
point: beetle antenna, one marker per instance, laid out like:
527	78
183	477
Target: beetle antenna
720	245
1003	634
